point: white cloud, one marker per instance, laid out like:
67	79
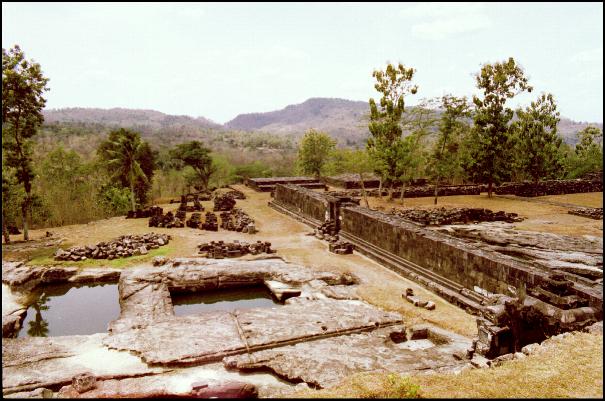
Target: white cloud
435	21
589	56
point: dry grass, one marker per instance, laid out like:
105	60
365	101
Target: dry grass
592	199
570	367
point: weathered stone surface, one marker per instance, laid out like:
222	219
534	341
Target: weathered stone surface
33	362
596	328
25	278
37	393
326	362
155	387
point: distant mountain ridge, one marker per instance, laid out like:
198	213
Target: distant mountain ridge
124	117
345	120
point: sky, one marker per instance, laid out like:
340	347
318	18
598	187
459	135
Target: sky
220	60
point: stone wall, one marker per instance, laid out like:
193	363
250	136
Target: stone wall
549	187
302	201
445	255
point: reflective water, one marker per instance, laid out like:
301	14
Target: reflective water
62	310
222	300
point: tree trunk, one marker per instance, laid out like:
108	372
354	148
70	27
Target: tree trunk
132	194
24	215
380	188
436	190
402	198
391	192
363	190
489	189
7	238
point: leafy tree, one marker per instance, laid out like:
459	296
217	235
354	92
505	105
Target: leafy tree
22	87
445	157
314	152
195	155
409	158
11	194
588	153
122	153
491	155
224	171
393	83
538	144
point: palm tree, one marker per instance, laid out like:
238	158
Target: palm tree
121	152
39	326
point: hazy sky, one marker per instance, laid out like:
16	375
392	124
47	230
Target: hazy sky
220	60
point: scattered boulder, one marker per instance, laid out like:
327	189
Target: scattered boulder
84	382
237	220
169	220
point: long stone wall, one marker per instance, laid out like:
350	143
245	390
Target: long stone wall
444	255
549	187
302	201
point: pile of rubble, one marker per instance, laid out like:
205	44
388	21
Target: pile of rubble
195	221
549	187
223	202
236	194
121	247
220	249
590	212
443	216
341	247
211	223
197	206
168	220
237	220
144	213
327	231
411	298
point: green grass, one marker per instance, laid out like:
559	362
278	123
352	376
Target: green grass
46	257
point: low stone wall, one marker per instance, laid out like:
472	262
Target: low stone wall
302	201
446	256
268	184
420	191
549	187
351	181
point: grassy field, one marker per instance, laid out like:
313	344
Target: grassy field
570	367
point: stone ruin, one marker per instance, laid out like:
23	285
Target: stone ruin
235	193
197	206
237	220
145	213
443	216
169	220
416	301
595	213
551	308
549	187
195	221
121	247
220	249
211	222
268	184
328	231
201	196
416	191
223	202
